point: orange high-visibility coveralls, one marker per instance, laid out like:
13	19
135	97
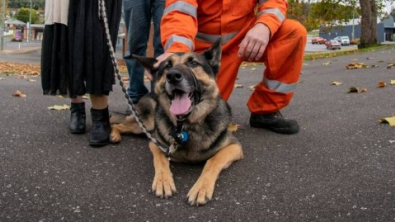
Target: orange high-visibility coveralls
193	25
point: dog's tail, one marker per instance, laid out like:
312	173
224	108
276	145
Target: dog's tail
116	117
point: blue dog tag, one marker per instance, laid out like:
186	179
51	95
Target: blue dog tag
183	136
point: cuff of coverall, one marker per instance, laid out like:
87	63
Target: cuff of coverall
271	22
178	47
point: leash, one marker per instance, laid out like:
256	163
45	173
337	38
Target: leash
103	16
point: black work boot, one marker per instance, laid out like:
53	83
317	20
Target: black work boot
101	128
274	122
77	118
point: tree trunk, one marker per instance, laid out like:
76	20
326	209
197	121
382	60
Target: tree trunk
368	23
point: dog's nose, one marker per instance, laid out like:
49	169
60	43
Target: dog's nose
174	77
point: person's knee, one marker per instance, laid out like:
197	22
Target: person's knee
296	29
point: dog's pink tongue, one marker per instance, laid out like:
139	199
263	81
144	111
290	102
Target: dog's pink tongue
180	105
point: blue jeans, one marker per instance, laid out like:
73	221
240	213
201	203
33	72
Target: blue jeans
138	15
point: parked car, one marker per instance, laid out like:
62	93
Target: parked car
333	44
344	40
318	40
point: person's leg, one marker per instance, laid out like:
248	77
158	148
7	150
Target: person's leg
101	128
227	75
137	20
78	115
283	59
158	7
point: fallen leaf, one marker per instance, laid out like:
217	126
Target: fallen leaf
382	84
364	90
357	90
233	127
2	79
59	107
392	82
337	83
34	73
374	66
326	63
252	88
389	66
19	94
357	66
389	120
31	80
238	86
381	61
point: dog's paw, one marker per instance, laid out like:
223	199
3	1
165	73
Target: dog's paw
163	185
201	192
115	137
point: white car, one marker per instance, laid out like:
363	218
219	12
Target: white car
344	40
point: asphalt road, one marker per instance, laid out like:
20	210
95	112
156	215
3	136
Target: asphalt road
339	167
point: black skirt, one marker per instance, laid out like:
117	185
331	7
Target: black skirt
80	63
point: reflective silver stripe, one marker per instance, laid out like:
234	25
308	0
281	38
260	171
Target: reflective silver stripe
212	38
273	11
262	1
182	7
279	86
178	38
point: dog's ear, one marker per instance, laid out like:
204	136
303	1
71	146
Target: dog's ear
148	63
213	55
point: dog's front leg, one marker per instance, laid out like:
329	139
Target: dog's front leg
163	184
202	191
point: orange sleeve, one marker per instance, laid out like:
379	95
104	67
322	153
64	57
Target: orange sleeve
179	25
272	13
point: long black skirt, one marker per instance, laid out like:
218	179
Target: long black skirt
80	63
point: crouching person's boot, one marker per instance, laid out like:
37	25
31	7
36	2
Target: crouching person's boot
77	118
101	128
274	122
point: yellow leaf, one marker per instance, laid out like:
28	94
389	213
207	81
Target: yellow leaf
392	82
389	120
1	79
31	80
364	90
59	107
337	83
238	86
326	63
252	88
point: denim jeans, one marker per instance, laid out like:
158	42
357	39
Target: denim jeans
138	15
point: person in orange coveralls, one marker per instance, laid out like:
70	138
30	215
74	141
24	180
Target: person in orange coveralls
262	35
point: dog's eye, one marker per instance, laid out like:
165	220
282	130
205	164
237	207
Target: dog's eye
168	66
192	63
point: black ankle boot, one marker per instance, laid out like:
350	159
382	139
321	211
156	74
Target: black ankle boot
274	122
101	128
77	118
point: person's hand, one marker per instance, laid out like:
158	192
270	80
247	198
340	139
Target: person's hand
254	43
160	59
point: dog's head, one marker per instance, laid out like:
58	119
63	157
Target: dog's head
186	78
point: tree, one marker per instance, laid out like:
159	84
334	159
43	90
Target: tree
368	23
23	15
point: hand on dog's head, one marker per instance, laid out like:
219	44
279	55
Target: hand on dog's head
212	55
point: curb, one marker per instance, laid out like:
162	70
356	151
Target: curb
20	51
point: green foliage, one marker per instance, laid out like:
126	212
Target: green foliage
23	15
36	4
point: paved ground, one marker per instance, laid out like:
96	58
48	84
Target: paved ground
340	167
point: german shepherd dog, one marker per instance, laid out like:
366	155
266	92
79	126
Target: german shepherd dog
186	113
